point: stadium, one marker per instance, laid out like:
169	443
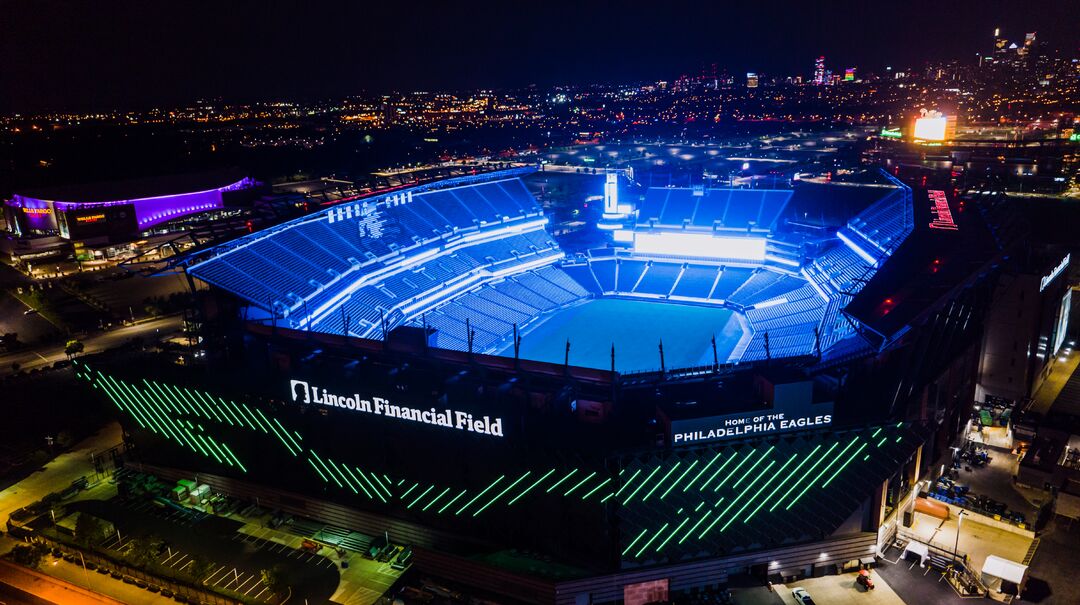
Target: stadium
474	264
120	210
723	390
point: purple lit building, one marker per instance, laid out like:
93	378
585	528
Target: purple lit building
116	211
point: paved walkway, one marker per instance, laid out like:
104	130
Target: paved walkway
54	590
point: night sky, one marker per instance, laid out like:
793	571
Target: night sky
132	54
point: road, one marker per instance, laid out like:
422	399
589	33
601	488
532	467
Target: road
43	356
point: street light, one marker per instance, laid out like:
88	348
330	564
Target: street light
956	544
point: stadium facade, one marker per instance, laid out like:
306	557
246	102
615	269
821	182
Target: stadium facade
378	384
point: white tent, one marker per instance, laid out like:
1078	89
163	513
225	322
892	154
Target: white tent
995	570
917	548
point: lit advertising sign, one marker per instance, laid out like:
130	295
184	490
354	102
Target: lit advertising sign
37	211
891	133
90	218
939	208
301	391
701	245
751	424
931	128
1058	270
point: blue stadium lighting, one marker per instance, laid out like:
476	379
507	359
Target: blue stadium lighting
480	252
863	254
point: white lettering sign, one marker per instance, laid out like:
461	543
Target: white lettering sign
303	392
1046	279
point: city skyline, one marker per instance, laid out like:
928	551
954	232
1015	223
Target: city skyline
134	56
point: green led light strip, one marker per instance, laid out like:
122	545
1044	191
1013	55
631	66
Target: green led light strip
734	470
633	542
694	526
801	477
502	493
478	496
342	475
735	500
822	472
661	481
650	541
672	534
703	471
642	484
580	483
844	465
559	482
597	488
530	488
779	484
760	489
434	500
422	494
455	499
330	474
312	463
363	476
747	472
628	481
679	480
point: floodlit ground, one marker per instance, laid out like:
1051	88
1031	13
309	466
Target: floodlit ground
976	539
841	590
636	328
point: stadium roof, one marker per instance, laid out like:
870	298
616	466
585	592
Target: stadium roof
929	264
133	189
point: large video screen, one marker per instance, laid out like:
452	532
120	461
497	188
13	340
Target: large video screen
701	245
931	129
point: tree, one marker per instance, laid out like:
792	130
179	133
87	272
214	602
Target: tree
73	348
28	555
9	340
274	579
200	568
141	549
88	530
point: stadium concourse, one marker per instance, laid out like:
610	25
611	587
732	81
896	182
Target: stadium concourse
471	258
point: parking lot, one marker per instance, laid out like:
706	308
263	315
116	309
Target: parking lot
238	558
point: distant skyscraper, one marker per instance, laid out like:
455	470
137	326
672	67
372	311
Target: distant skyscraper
849	74
819	71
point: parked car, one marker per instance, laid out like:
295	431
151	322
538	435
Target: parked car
802	597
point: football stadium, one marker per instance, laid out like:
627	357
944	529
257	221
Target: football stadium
474	264
723	390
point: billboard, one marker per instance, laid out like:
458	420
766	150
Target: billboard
793	410
933	126
930	129
114	222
